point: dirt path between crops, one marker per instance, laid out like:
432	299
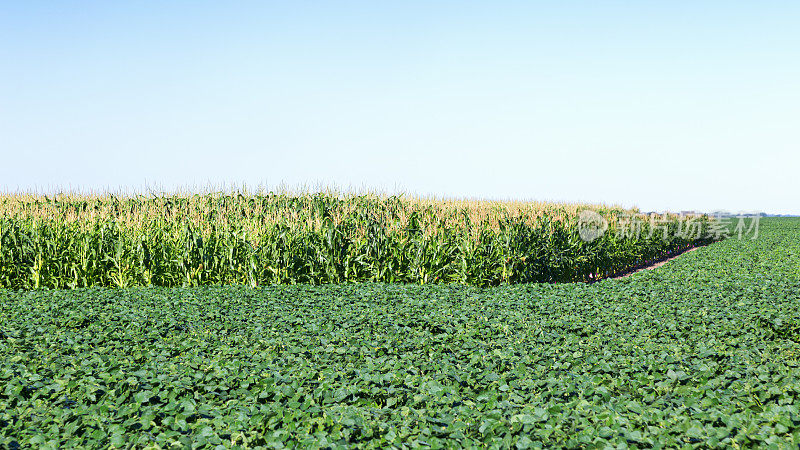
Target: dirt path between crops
658	264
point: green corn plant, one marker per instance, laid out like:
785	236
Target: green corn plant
269	238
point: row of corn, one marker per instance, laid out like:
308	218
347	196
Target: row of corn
73	241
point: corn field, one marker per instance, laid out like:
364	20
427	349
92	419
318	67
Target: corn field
80	240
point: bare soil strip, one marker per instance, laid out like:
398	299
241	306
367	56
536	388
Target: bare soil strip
658	263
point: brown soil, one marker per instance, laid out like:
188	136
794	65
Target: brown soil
658	264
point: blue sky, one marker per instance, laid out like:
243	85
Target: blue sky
660	105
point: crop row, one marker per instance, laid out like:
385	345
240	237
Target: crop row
285	239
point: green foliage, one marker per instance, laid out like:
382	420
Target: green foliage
315	239
702	352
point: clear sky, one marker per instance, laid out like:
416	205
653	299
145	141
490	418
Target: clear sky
660	105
